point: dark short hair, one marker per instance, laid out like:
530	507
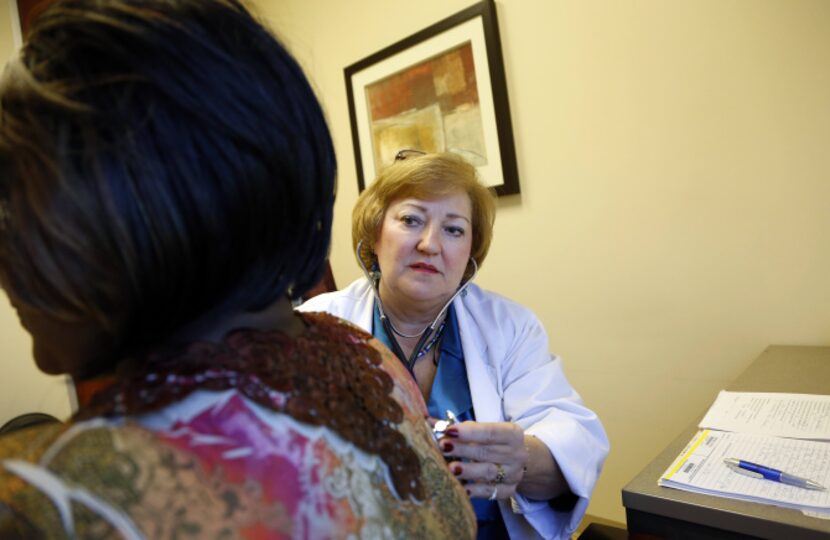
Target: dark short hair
427	176
160	161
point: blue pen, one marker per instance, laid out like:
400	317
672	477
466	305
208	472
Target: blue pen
759	471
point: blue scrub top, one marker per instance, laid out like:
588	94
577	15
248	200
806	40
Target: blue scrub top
451	390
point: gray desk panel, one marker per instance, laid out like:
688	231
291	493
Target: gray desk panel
653	509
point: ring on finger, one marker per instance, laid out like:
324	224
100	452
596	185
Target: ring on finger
494	494
499	474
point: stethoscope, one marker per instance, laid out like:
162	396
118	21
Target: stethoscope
374	279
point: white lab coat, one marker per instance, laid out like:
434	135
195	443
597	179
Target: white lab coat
513	378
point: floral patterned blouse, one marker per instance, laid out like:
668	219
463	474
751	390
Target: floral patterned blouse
262	436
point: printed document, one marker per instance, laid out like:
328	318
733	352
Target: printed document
800	416
700	468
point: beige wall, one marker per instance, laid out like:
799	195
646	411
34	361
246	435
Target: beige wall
675	210
22	387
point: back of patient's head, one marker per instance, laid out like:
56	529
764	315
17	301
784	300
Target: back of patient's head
160	161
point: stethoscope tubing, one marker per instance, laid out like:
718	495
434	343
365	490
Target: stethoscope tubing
409	363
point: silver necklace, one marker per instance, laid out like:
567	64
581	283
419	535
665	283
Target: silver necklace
399	333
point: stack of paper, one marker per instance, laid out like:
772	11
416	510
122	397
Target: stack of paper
789	432
700	468
800	416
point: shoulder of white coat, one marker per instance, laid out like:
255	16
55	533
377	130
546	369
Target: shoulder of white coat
516	323
337	302
493	305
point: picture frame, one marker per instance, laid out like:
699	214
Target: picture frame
440	89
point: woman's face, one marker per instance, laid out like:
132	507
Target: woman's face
423	248
61	347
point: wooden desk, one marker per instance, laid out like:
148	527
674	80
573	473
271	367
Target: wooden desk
654	511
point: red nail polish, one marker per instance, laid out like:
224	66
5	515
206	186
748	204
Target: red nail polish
468	492
456	470
451	432
447	446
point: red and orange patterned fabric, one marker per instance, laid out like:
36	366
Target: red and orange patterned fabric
262	436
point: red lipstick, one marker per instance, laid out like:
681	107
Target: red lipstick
423	267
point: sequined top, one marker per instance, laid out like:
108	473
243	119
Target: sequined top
264	435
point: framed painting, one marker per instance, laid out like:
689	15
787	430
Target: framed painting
28	11
440	89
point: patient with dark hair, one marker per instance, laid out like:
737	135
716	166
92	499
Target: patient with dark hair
166	189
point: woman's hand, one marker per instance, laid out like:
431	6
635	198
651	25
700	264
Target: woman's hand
501	460
494	453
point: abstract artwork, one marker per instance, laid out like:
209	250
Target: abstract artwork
432	106
442	89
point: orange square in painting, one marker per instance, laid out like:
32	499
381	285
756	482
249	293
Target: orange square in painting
28	10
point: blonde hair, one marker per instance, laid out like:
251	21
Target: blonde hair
425	177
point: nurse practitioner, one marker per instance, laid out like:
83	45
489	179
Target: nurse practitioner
527	449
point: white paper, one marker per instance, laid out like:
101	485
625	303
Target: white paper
700	468
800	416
